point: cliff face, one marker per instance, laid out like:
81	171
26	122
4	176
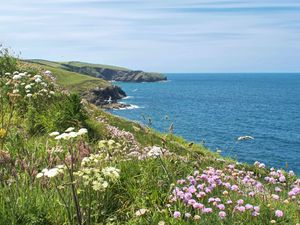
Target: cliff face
104	96
115	73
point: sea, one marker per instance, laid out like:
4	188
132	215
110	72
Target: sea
216	109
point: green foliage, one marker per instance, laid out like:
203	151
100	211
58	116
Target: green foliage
8	62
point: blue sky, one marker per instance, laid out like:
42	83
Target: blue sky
158	35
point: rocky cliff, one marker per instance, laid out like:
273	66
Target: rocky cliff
113	73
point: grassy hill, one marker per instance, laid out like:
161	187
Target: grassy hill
70	80
105	72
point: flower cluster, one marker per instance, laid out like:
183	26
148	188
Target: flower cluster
68	134
227	192
93	175
29	86
50	173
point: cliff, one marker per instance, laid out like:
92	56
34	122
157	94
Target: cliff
106	72
115	74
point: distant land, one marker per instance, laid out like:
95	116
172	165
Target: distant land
82	78
106	72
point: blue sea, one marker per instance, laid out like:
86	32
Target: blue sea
219	108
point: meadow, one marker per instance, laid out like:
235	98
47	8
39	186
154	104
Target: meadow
65	161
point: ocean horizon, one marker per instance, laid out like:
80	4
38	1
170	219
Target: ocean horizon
217	108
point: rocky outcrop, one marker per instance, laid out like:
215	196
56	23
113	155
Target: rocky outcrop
104	96
116	74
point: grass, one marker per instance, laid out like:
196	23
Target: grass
73	81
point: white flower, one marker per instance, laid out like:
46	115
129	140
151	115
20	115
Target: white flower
54	134
70	129
15	73
155	152
15	91
23	84
52	92
38	76
29	95
39	175
28	86
111	172
17	77
82	131
141	212
38	80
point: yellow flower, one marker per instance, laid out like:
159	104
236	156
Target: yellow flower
2	132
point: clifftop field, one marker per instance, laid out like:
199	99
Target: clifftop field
65	161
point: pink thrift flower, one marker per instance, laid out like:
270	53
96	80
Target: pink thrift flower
282	178
222	214
221	207
248	206
234	188
256	209
276	197
207	210
277	189
229	202
240	202
278	213
241	208
251	194
177	214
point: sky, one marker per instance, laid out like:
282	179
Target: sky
158	35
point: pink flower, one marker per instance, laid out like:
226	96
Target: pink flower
198	206
229	202
222	214
251	194
241	208
221	207
256	209
278	213
282	178
234	188
277	189
276	197
248	206
240	202
207	210
255	213
177	214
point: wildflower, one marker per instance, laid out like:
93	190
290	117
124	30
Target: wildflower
54	134
161	223
69	129
276	197
241	208
207	210
222	214
221	207
17	77
282	178
155	152
2	132
177	214
38	80
111	173
277	189
141	212
249	206
278	213
291	173
197	217
28	86
29	95
187	215
240	202
273	221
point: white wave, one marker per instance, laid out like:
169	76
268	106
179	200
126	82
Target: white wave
128	97
130	107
